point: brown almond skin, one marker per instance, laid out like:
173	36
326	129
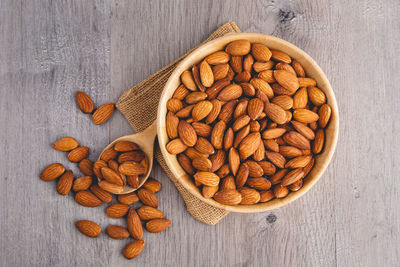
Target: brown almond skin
238	48
147	197
319	141
133	249
108	154
171	124
209	191
297	140
149	213
266	196
101	194
228	197
128	199
87	199
196	78
52	171
292	176
157	225
65	144
117	232
84	102
78	154
117	210
82	183
259	183
176	146
242	175
103	113
249	145
187	133
249	196
207	178
112	188
64	184
234	160
217	134
152	185
188	81
125	146
131	168
324	113
217	160
88	228
134	224
261	52
280	191
111	176
86	167
181	92
186	164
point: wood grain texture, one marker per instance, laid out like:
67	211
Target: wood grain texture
50	49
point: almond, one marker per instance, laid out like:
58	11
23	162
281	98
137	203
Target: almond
255	169
255	108
263	86
111	176
202	129
87	199
241	135
131	168
206	74
209	191
187	133
134	224
82	183
249	145
133	181
176	146
202	164
298	162
125	146
289	151
228	197
238	48
286	79
324	115
280	191
223	171
220	71
284	101
298	68
228	183
319	141
316	96
157	225
261	52
236	63
217	58
84	102
217	160
97	167
248	63
185	112
242	175
108	154
259	183
117	210
201	110
306	82
207	178
243	77
263	66
188	81
297	140
112	188
249	196
52	172
276	158
248	89
147	197
174	105
296	185
136	156
275	113
217	134
181	92
117	232
240	122
78	154
273	133
214	90
101	194
308	168
268	167
267	75
266	196
280	90
227	110
196	78
277	177
255	126
230	92
186	164
86	167
128	199
228	139
65	144
149	213
285	66
195	97
260	152
300	99
216	109
241	108
272	145
88	228
133	249
292	177
234	160
103	113
192	153
304	130
305	115
64	184
280	56
152	185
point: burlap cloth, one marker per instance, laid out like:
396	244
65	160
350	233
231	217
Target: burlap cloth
139	106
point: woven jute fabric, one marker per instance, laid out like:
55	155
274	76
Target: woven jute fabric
139	106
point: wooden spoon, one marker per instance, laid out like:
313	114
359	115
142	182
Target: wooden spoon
145	140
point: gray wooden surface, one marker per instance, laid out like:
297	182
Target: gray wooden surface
50	49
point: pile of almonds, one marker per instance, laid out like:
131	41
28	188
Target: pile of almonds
246	123
123	164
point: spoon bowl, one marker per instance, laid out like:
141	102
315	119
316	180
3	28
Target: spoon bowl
145	140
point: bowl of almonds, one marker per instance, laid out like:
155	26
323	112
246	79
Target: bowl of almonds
248	122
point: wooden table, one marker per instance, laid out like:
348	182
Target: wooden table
50	49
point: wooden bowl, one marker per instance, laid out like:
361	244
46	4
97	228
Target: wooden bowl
312	69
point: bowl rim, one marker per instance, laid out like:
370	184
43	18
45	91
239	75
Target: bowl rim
324	84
